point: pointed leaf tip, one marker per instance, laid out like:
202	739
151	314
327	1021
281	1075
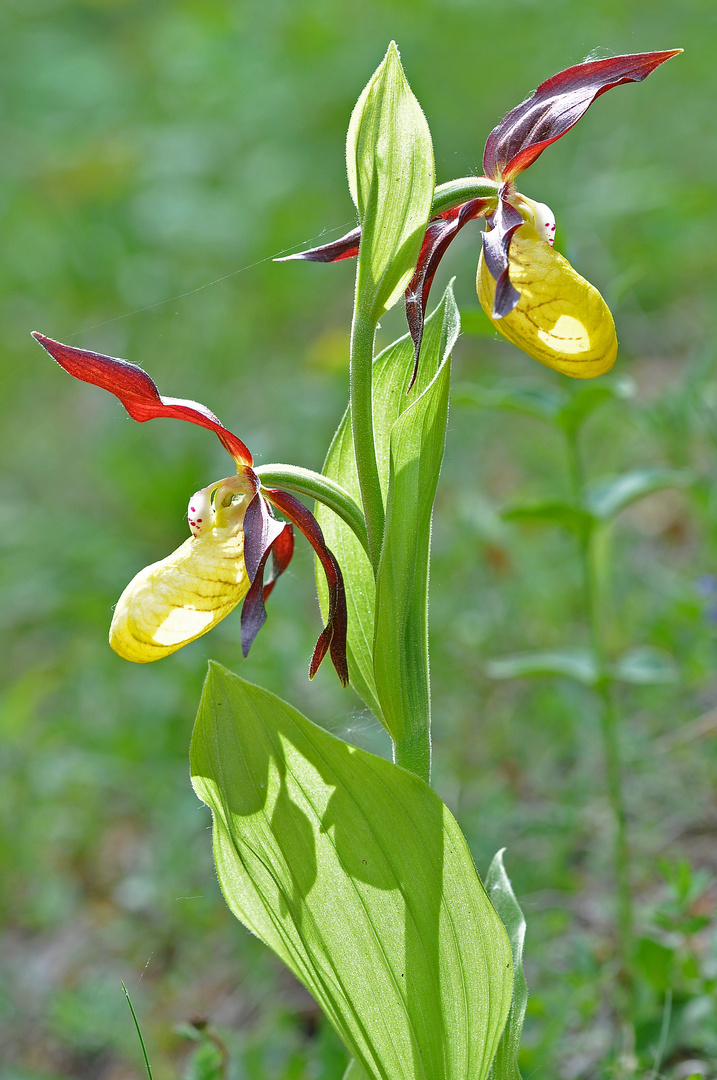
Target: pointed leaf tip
500	891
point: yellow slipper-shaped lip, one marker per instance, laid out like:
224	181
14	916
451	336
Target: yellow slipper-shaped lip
561	320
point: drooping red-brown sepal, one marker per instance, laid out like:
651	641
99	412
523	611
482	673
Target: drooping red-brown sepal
556	106
496	249
262	535
333	637
439	234
346	247
138	393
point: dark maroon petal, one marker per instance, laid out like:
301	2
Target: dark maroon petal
138	393
556	106
282	551
496	252
439	234
333	636
346	247
262	533
253	612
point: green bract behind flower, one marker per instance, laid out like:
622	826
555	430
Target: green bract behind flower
389	160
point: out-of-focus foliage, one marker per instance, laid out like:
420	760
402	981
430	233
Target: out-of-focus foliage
155	157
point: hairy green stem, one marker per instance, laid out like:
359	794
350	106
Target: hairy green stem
414	753
456	192
363	332
315	486
609	726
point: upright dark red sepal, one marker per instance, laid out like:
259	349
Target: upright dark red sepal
439	234
333	637
138	393
346	247
556	106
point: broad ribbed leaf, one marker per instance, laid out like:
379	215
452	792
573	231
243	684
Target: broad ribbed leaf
500	891
355	873
389	159
401	635
578	664
606	498
392	373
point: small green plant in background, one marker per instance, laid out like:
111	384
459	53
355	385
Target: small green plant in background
350	867
589	517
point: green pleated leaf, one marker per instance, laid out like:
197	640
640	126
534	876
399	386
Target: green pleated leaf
500	891
607	497
645	665
354	1071
656	963
389	159
401	630
553	404
355	873
530	399
392	373
583	402
549	513
578	664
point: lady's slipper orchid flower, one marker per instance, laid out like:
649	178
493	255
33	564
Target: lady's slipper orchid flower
531	294
234	532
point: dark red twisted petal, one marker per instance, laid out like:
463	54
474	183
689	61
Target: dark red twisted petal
346	247
282	551
496	252
439	234
263	536
333	637
556	106
260	531
138	393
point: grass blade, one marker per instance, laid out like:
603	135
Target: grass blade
139	1031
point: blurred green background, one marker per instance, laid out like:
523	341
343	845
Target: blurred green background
156	156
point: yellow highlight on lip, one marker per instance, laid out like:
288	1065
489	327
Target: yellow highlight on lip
176	600
561	320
